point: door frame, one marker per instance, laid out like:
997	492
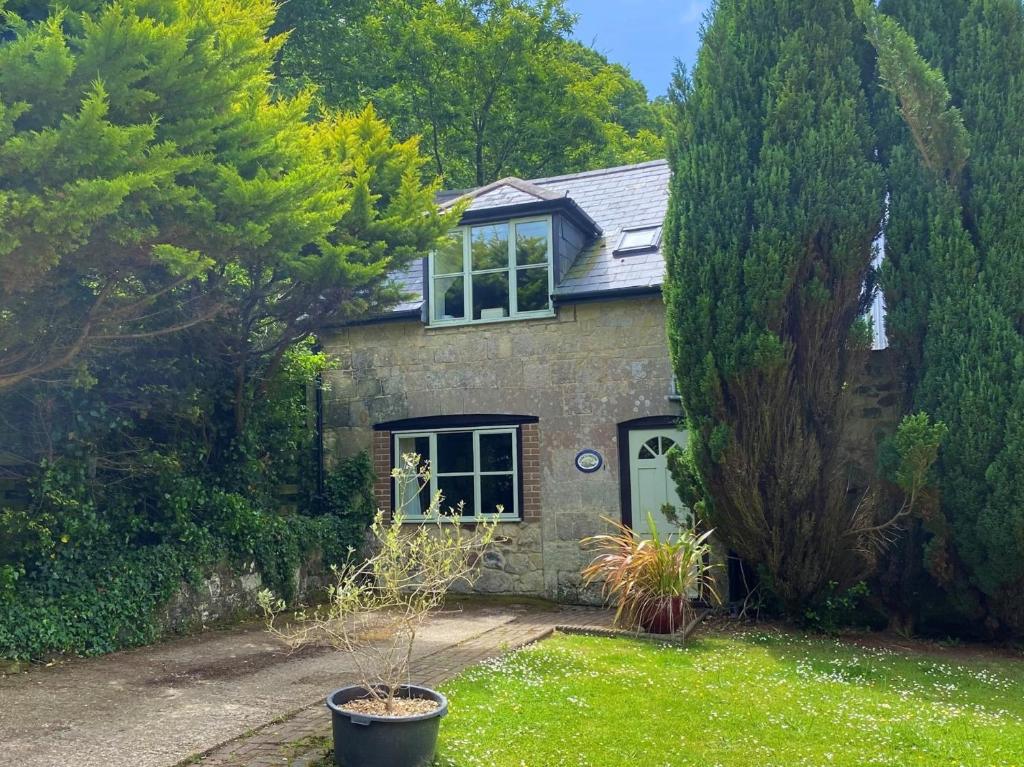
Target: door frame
625	475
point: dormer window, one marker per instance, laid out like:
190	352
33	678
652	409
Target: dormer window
638	241
490	272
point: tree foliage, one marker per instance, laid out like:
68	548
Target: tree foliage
151	181
174	235
776	202
494	87
955	280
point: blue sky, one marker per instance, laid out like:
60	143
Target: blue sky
645	35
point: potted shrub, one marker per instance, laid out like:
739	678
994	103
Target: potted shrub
651	580
373	613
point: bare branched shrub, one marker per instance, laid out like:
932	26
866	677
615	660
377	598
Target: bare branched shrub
378	604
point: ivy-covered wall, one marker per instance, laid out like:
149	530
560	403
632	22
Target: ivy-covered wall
83	574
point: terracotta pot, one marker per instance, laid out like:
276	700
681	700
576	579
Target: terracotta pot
664	618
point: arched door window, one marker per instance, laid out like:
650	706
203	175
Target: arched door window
655	447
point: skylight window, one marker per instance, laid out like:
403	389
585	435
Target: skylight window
638	240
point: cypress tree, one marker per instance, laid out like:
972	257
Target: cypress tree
907	271
934	25
776	203
955	287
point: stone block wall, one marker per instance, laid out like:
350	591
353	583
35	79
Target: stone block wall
581	373
222	596
227	595
875	402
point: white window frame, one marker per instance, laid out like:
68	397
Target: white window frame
412	513
510	269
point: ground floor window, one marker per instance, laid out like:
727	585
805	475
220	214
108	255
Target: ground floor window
475	470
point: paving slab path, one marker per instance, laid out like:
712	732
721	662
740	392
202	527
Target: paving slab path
161	705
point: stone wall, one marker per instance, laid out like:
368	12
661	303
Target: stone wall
226	595
875	401
581	373
222	596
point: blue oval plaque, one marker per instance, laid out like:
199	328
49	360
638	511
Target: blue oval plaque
588	461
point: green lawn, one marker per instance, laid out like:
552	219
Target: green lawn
756	699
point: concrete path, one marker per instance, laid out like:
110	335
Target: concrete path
160	705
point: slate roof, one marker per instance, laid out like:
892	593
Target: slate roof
626	197
501	193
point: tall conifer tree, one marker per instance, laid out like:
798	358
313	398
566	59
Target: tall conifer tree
776	203
958	323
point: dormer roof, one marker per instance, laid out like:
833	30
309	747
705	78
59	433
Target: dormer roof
615	200
514	198
500	194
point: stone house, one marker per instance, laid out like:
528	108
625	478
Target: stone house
529	366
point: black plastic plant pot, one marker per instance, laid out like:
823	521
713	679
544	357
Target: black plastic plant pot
365	740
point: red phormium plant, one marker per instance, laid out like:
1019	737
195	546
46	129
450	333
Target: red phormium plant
651	580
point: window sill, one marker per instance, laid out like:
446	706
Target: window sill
471	323
461	520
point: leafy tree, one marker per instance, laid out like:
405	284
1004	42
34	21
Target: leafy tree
174	235
907	251
333	45
150	181
495	87
776	202
86	175
955	279
336	267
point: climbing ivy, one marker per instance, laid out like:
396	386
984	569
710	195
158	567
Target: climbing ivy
88	579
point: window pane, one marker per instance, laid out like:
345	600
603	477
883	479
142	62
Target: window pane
490	296
454	452
413	497
640	239
532	243
490	246
449	298
532	289
448	258
495	452
409	488
497	491
454	490
413	445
